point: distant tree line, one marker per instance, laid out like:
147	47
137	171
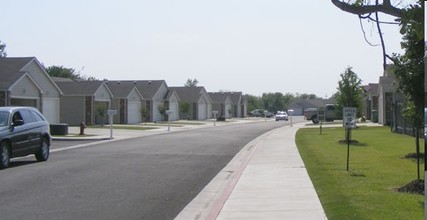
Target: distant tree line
274	102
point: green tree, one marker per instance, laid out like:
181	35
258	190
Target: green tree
162	110
2	49
70	73
101	111
274	101
254	102
144	114
184	108
370	10
191	83
350	91
409	72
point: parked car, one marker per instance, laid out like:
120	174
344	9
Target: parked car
261	113
23	131
281	115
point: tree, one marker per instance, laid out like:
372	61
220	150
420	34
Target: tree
101	111
408	68
254	102
409	71
2	49
350	91
144	114
191	83
162	110
184	108
70	73
366	9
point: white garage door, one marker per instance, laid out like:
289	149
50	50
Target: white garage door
202	111
51	110
175	108
134	112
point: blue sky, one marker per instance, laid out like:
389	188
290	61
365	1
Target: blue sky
233	45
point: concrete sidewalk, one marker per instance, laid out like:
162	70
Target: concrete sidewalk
267	179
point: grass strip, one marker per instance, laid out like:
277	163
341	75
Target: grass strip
377	167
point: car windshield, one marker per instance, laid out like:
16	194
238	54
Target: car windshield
3	118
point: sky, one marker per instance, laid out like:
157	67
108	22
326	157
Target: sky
251	46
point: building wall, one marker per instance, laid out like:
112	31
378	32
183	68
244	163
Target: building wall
158	99
50	102
43	80
72	110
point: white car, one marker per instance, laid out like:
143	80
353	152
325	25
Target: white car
281	115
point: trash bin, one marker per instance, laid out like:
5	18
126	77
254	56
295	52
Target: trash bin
59	129
374	116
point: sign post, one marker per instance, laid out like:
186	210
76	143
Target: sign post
291	111
110	114
349	122
215	113
169	112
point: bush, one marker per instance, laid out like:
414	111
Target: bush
220	118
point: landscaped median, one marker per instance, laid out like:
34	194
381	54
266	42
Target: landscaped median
377	167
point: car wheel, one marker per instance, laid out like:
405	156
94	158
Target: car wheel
43	153
4	155
315	121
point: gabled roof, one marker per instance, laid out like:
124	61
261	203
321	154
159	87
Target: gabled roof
371	88
236	97
80	87
147	88
122	90
219	97
171	93
9	80
13	64
189	94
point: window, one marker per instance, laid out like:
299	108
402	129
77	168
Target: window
27	116
37	116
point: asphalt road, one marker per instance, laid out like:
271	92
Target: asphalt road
151	177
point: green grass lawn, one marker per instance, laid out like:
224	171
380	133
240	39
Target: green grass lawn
376	169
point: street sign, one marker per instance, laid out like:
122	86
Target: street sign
349	117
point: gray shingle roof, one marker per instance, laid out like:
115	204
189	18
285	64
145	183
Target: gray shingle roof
120	90
8	79
13	64
188	94
219	97
80	87
147	88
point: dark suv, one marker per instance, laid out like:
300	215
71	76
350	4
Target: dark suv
23	131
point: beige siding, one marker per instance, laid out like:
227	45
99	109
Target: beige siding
42	79
25	88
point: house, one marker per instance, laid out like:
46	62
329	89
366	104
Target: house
172	101
85	101
199	100
154	93
222	103
240	106
370	110
25	82
388	98
128	102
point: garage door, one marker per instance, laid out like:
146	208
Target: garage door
134	112
51	110
174	106
202	111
